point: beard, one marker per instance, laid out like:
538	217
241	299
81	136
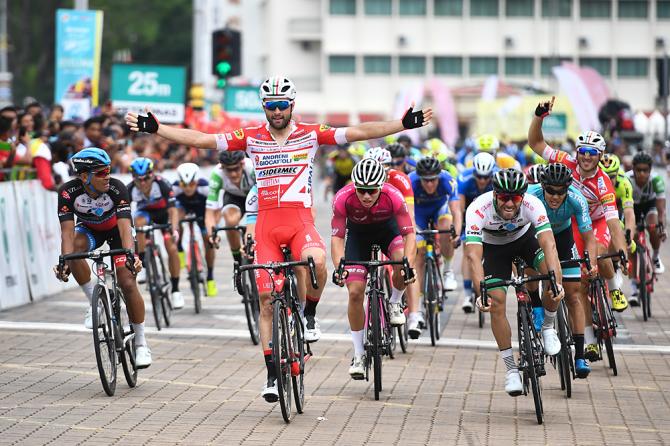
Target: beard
284	123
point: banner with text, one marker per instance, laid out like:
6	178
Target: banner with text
13	284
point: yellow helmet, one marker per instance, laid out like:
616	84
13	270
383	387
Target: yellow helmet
389	139
537	159
487	143
358	149
528	151
610	164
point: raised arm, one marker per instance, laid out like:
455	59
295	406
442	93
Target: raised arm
535	136
379	129
150	124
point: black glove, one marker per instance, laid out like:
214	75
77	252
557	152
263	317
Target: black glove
412	119
542	109
147	124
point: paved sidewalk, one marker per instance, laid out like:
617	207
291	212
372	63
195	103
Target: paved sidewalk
204	384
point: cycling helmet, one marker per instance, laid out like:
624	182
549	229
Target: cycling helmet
90	159
228	158
358	149
188	172
397	150
591	139
368	173
428	167
483	163
141	166
509	181
610	164
277	87
556	174
642	158
379	154
487	143
533	174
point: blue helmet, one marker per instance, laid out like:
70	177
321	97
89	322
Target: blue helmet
141	166
90	159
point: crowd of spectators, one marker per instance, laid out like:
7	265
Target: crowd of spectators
37	142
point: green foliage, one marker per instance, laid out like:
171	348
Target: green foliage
154	31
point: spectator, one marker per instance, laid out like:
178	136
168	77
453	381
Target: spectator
27	121
93	133
10	112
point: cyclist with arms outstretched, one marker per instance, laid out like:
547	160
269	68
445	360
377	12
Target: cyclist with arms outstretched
283	153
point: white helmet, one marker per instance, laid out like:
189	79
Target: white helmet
368	173
483	164
591	139
188	172
277	87
379	154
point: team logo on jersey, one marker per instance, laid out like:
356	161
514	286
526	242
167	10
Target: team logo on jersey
239	134
601	185
65	195
323	127
541	218
229	137
479	214
65	209
308	237
608	199
474	228
561	156
300	157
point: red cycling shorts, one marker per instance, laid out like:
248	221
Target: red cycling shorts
600	231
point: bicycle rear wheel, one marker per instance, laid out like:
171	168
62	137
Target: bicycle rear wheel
642	284
402	330
127	350
439	300
298	365
103	339
251	305
610	355
373	316
194	274
281	357
608	324
429	300
529	369
154	289
481	318
565	355
166	303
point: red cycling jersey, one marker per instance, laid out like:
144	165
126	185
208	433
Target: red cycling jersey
597	189
400	181
390	204
283	172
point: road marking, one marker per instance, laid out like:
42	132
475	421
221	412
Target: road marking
335	337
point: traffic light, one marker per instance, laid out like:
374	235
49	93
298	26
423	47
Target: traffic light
226	55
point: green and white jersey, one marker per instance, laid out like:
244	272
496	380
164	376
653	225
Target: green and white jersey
483	224
219	182
655	188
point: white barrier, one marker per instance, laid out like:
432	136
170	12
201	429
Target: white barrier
13	280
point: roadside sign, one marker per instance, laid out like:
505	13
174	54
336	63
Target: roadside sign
242	100
555	127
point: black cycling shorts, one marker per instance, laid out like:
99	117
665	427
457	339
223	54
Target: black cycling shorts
646	207
97	238
234	200
498	258
567	250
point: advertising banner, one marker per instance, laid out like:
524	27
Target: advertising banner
78	49
13	284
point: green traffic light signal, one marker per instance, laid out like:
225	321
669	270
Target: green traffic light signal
223	68
221	83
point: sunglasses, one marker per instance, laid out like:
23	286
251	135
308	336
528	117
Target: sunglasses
515	198
143	179
182	184
552	191
281	105
429	179
482	177
367	190
398	162
588	150
104	173
232	169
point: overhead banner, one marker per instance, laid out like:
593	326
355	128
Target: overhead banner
162	88
13	284
78	49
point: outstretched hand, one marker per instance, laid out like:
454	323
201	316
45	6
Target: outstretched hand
416	119
146	124
543	109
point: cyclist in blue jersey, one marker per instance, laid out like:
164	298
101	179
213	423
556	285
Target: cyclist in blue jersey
436	200
465	153
473	182
401	160
564	204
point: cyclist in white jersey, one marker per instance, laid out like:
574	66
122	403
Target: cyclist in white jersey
500	225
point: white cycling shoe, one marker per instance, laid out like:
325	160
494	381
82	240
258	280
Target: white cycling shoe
513	385
270	392
659	268
312	329
177	300
142	356
88	319
141	276
551	343
450	283
357	368
397	316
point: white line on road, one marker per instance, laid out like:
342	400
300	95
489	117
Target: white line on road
336	337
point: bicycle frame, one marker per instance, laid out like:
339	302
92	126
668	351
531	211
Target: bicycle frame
159	286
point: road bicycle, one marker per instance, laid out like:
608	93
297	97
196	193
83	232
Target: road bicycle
196	262
157	274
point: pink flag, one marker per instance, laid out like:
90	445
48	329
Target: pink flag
594	82
445	111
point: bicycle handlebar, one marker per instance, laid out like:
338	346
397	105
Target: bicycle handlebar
368	264
275	268
241	228
586	260
191	218
99	254
520	280
451	231
152	227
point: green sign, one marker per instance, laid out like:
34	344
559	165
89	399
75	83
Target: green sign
162	88
555	126
242	100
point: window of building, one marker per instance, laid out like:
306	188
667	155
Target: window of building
483	65
633	9
601	64
412	7
519	8
342	64
377	64
632	67
343	7
591	9
449	7
519	66
484	8
663	9
556	8
378	7
412	65
451	65
547	63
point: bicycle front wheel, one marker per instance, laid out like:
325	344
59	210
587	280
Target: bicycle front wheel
166	303
298	364
251	305
154	288
429	300
281	356
642	284
529	360
194	275
103	339
376	341
127	338
565	355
